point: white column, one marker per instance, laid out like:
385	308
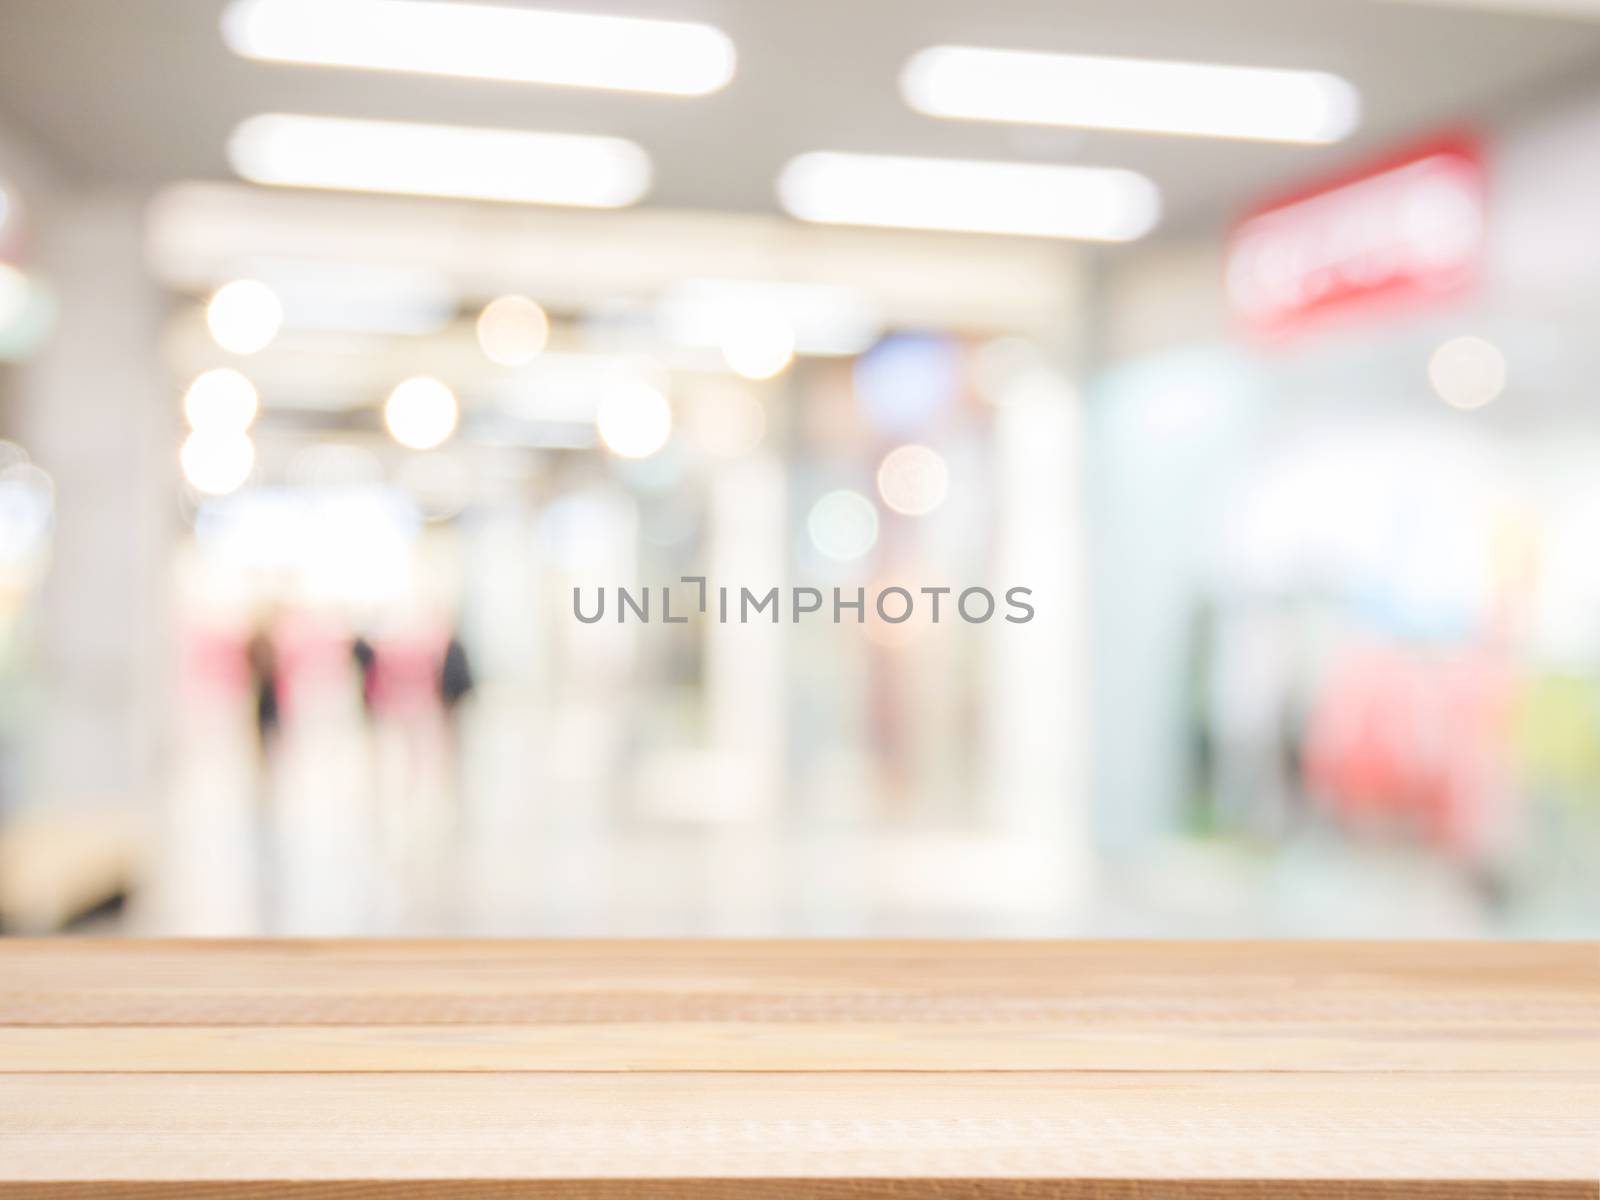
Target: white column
1036	709
96	410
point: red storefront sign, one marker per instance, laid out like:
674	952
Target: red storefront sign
1404	230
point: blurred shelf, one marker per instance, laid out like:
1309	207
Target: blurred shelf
833	1069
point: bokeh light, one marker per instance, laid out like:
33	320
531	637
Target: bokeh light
27	506
244	316
512	330
913	480
13	294
758	345
220	401
906	381
634	420
843	525
421	413
27	313
1467	372
217	463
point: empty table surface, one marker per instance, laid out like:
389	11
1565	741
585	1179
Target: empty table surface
790	1069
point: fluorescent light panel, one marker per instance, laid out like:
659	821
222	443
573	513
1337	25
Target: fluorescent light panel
1091	203
485	42
1143	95
439	160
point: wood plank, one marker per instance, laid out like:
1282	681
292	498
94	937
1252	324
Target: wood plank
593	1069
810	1189
1069	1126
1404	988
771	1046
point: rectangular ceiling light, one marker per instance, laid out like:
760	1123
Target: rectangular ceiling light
1142	95
482	41
439	160
1092	203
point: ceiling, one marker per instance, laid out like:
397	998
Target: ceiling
143	92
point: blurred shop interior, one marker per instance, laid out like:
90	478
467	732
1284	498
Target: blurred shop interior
344	342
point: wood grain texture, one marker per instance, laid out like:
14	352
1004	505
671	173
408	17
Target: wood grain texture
812	1189
787	1069
1145	1125
1225	984
1127	1045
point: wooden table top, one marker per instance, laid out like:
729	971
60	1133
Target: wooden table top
799	1068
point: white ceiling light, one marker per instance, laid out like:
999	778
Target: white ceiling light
439	160
759	345
221	401
634	421
1094	203
484	41
421	413
1143	95
244	316
217	462
512	330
